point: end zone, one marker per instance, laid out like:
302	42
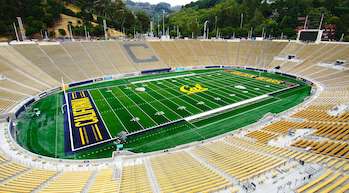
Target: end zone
85	124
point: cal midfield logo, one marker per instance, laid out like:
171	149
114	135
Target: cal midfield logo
197	88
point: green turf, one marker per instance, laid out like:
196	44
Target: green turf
41	134
119	103
220	124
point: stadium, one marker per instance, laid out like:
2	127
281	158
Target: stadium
175	115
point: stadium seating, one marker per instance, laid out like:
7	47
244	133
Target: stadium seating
71	181
327	182
282	126
16	67
329	148
237	162
10	169
40	59
28	69
104	182
261	136
27	181
307	157
320	113
179	172
134	179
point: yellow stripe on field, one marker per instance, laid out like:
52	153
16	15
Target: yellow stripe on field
94	132
99	132
86	136
82	136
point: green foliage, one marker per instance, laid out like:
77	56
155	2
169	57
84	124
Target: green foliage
62	32
35	15
38	15
115	13
280	16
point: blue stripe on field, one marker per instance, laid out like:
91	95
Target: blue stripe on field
90	129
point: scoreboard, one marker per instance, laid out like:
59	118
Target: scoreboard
310	36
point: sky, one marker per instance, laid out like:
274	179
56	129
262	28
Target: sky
172	2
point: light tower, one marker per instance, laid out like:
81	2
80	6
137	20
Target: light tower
163	22
205	29
21	28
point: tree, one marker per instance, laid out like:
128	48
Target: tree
62	32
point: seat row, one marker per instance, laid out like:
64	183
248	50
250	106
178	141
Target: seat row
329	181
330	148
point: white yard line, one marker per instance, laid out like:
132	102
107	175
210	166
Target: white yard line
113	111
126	79
137	106
164	78
198	96
105	125
252	83
126	108
246	79
170	101
181	99
178	114
248	95
219	89
152	102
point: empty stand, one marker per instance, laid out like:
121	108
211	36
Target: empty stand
26	182
179	172
328	182
134	179
104	182
237	162
262	136
71	181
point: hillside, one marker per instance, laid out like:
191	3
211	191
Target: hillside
54	16
276	17
65	20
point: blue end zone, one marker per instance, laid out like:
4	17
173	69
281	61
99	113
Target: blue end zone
84	126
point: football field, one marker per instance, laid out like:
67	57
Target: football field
144	105
154	112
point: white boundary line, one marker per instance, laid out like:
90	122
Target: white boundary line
224	108
69	122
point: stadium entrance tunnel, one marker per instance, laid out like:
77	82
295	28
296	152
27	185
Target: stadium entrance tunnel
91	119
